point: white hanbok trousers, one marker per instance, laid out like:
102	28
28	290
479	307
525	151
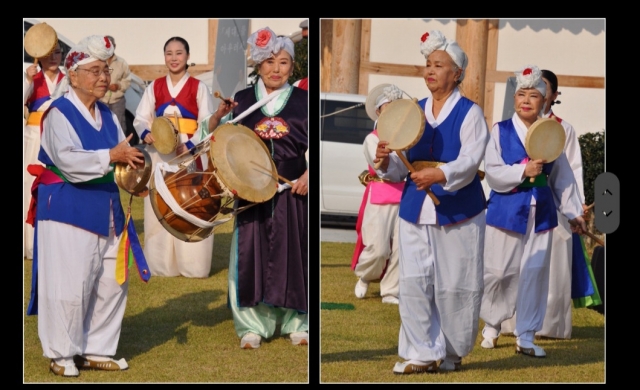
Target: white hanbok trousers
516	278
557	320
80	303
380	237
441	272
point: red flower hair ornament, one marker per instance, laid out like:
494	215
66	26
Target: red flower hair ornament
530	77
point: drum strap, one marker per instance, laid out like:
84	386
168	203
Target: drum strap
184	125
35	118
108	178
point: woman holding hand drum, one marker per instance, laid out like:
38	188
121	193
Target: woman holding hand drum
441	245
521	216
188	103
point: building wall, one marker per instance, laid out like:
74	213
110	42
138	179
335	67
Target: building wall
569	47
140	41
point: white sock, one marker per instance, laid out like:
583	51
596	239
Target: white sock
63	361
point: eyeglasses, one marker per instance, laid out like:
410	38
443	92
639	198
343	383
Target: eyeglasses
96	72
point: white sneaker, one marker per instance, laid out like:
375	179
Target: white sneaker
361	288
390	299
299	338
250	341
68	369
450	365
534	351
489	342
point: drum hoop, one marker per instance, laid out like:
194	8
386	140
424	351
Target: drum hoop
401	124
545	139
40	40
164	141
239	187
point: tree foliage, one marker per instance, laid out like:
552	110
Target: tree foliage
592	150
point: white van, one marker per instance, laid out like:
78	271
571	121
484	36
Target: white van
132	95
344	124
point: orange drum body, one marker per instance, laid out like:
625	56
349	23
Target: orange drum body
197	192
236	165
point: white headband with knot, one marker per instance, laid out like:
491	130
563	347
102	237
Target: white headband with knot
388	95
530	77
89	49
265	43
435	40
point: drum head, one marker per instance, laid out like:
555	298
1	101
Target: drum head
165	135
40	40
370	103
243	163
134	180
545	139
401	124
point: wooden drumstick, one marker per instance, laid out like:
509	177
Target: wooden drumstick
412	170
589	234
175	116
219	96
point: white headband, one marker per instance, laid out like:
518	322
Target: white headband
530	77
388	95
435	40
265	43
89	49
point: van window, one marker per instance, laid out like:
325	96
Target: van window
349	126
65	48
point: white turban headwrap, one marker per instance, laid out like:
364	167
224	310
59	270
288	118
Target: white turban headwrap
388	95
265	43
530	77
89	49
435	40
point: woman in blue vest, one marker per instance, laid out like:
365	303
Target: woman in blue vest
521	216
441	245
79	302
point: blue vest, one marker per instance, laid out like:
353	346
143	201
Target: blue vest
83	205
510	210
442	144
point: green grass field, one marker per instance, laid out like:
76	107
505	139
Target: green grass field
361	345
178	330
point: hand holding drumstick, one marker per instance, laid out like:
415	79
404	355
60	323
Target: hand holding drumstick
225	107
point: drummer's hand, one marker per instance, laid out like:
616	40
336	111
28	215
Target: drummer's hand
125	153
301	186
31	71
114	87
382	153
424	178
148	139
181	149
578	225
533	168
224	109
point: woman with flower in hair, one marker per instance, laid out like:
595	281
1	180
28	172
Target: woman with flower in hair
521	216
176	94
80	220
566	248
268	283
440	245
